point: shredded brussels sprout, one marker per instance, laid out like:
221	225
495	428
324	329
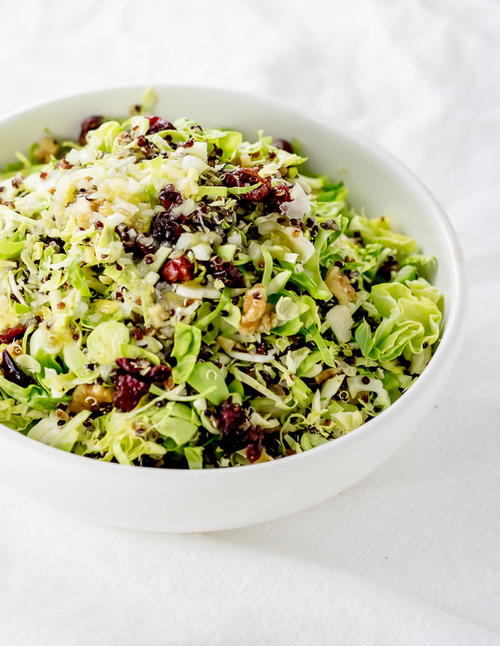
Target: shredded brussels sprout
176	296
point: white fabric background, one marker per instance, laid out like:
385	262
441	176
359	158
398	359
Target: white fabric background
411	554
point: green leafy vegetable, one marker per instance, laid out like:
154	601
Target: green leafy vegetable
187	345
177	296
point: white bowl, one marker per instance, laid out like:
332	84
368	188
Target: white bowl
189	501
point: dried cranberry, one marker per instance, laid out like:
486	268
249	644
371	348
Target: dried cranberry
156	124
90	123
234	425
261	348
254	451
146	244
158	373
280	194
276	197
138	332
12	333
231	417
142	369
230	275
177	270
283	144
247	177
135	367
126	235
128	391
169	197
12	372
133	379
129	238
148	149
166	228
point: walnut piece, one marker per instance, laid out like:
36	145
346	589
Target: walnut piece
326	374
245	160
340	286
257	315
46	148
90	397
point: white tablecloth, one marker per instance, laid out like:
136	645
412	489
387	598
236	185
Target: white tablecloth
411	554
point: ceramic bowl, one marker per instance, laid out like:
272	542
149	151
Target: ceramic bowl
190	501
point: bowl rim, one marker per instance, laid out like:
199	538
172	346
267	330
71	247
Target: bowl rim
452	332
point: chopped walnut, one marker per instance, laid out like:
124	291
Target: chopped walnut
245	160
340	286
90	397
46	148
257	315
277	390
326	374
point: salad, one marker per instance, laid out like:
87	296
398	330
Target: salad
176	296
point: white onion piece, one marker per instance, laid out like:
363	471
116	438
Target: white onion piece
185	208
234	238
341	322
252	358
299	206
202	251
198	292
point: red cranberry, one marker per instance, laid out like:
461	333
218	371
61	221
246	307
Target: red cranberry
231	417
133	379
230	275
158	373
135	367
248	177
283	144
156	124
177	270
237	431
126	235
146	244
148	149
169	197
138	332
128	391
12	372
12	333
90	123
166	228
142	369
261	348
254	451
280	194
